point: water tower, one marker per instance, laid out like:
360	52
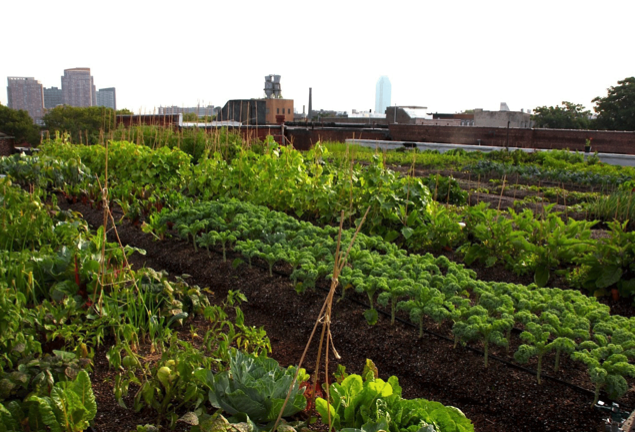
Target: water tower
273	90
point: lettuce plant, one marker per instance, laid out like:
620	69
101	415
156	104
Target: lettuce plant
371	404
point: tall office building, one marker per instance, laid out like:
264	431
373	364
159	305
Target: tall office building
107	97
382	94
26	93
52	97
78	89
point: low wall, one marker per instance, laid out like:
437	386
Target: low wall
602	141
6	146
305	138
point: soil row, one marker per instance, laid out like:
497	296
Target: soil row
497	398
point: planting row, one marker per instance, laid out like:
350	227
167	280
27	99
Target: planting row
563	321
401	209
560	166
64	293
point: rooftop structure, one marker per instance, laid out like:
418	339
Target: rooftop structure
273	90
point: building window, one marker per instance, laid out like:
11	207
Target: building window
288	110
277	110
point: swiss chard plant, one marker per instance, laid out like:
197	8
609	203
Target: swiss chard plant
69	407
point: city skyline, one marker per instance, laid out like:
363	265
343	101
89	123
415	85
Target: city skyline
470	55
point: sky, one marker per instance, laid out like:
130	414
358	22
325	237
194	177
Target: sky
447	56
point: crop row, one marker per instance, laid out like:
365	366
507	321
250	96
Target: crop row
63	286
560	166
143	180
562	321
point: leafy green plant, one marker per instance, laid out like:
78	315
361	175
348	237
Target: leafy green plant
70	407
537	344
479	325
425	301
608	365
612	262
372	404
257	387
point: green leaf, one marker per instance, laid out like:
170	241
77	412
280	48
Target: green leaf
371	316
82	387
7	420
541	277
407	232
47	409
610	275
391	236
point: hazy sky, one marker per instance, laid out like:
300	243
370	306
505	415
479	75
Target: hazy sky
447	56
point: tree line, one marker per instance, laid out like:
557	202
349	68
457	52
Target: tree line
615	111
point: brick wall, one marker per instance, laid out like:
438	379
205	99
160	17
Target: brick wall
6	146
304	139
602	141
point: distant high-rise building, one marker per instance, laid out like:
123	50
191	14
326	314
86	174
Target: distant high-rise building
78	89
382	94
25	93
52	97
107	97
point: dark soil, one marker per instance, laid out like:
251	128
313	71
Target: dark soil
499	398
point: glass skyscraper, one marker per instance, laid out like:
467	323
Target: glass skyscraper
382	94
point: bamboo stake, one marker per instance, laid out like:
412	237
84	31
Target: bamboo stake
324	317
500	198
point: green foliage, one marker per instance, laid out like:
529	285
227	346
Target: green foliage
567	116
616	111
607	364
445	189
611	263
372	404
18	124
480	325
85	125
618	205
35	375
257	387
69	407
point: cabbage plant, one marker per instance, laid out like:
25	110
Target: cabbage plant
257	387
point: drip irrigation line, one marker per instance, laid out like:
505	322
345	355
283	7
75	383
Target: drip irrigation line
489	356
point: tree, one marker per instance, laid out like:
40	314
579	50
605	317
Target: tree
190	117
567	116
124	111
84	124
616	111
18	124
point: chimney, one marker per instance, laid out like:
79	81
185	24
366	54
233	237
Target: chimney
310	116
